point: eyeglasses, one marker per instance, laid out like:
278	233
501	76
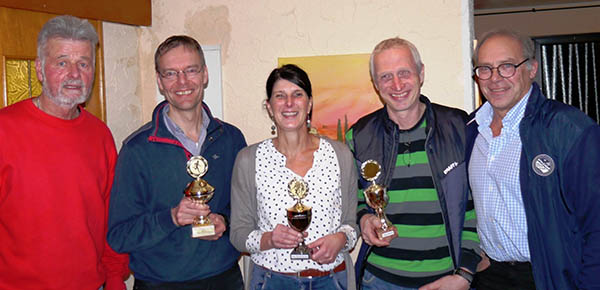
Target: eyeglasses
189	72
505	70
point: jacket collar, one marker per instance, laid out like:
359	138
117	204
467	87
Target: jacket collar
159	128
429	113
536	99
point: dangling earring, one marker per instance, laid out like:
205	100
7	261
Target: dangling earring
273	129
311	130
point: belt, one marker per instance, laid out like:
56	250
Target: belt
312	272
513	264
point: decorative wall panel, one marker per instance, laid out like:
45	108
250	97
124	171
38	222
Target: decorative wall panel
21	80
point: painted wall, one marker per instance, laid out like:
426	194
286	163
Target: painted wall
252	34
122	80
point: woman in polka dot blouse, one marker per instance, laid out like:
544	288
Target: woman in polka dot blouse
260	195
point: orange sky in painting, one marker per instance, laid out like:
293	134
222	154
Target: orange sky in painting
341	86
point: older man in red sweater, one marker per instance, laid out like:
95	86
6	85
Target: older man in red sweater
56	170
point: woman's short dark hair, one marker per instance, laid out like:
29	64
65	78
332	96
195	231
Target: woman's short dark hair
291	73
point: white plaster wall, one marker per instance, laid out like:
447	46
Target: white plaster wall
252	34
122	80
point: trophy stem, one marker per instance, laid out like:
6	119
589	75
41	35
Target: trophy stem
382	219
202	220
384	225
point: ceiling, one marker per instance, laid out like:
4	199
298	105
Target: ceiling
499	6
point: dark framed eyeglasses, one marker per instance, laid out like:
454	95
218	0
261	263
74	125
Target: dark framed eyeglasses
505	70
189	72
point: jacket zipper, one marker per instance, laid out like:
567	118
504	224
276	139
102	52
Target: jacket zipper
428	151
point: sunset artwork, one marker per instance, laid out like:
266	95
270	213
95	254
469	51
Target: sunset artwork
342	91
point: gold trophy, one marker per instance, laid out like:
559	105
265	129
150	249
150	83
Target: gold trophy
199	191
299	216
376	196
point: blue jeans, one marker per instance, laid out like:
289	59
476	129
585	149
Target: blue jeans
370	282
263	279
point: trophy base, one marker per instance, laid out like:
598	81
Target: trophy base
202	231
381	234
301	252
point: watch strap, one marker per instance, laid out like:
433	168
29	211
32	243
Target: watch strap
468	276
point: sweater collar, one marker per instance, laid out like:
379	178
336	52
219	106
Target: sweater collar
160	128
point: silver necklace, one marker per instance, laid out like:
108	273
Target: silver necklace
37	103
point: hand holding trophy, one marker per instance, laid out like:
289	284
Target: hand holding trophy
376	196
299	216
199	191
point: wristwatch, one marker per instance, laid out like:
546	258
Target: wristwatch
468	276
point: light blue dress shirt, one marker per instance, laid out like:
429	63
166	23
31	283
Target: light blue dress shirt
494	177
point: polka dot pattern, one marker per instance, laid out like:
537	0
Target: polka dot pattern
324	196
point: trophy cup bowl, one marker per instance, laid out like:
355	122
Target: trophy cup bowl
376	197
299	217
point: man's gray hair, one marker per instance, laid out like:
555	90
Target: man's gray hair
527	46
394	42
67	27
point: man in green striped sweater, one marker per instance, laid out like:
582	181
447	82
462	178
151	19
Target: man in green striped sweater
420	147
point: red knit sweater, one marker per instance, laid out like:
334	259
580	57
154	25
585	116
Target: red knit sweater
55	178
